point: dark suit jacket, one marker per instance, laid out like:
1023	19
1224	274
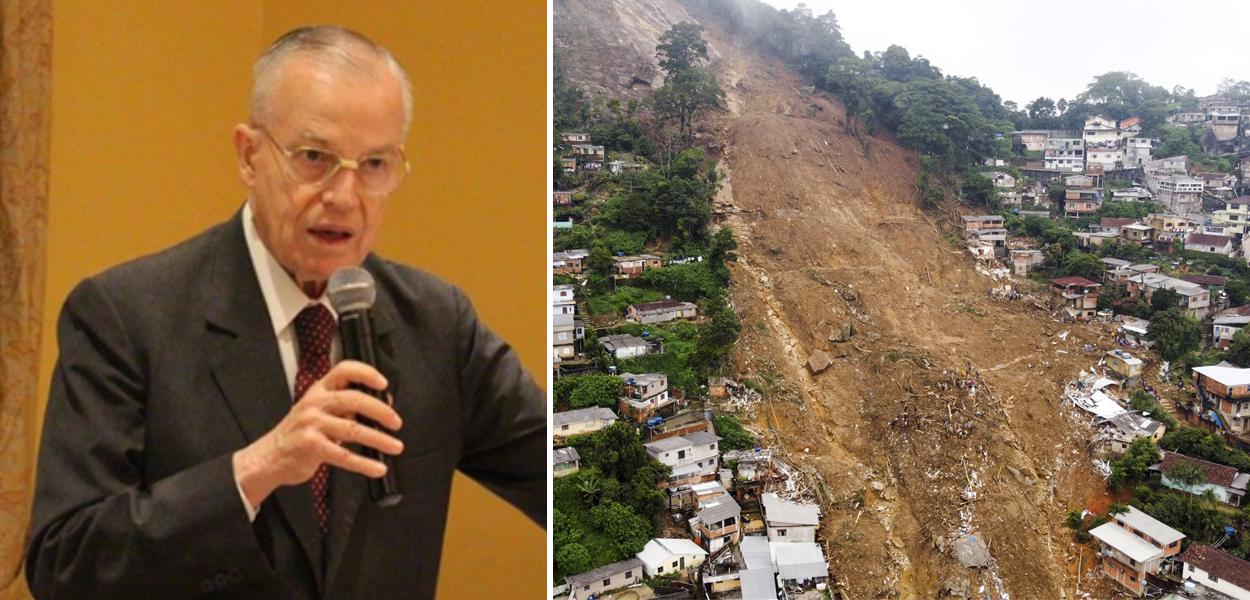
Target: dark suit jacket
168	365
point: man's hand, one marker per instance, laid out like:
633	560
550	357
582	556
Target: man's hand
313	431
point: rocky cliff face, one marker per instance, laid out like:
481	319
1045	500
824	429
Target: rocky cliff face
935	439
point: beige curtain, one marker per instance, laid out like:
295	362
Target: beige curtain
25	107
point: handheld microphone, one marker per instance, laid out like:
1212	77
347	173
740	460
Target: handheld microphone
351	292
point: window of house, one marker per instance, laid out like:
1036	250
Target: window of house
674	564
607	582
659	569
1214	579
781	532
564	428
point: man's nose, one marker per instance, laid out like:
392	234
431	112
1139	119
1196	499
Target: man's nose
342	189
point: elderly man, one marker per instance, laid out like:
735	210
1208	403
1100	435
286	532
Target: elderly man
200	438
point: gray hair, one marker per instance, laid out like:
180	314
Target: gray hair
340	46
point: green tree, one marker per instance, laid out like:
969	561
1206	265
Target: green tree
594	390
1238	291
1174	332
563	530
720	253
733	435
1131	467
717	336
572	559
1080	264
626	529
1239	349
1164	298
1199	443
978	190
1188	475
681	48
685	97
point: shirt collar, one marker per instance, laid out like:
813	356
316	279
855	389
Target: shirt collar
283	297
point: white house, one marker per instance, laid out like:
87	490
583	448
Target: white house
1206	242
1226	483
665	556
581	421
608	577
697	448
1064	154
564	461
1180	194
1227	323
646	392
1001	180
1216	570
563	336
562	301
623	345
790	521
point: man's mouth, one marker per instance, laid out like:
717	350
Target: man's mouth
331	235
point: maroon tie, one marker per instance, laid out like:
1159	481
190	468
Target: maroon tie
314	331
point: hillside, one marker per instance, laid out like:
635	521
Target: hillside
907	456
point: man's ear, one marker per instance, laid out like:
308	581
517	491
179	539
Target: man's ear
245	147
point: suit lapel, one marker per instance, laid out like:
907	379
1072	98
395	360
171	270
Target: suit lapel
348	491
247	367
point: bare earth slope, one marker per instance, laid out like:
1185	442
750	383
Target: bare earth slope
908	456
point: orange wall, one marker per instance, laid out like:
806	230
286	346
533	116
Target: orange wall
144	99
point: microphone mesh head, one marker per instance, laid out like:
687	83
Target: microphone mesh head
351	288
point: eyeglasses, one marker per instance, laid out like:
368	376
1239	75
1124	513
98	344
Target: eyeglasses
377	174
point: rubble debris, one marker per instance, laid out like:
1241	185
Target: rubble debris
971	552
819	361
844	334
957	587
1020	476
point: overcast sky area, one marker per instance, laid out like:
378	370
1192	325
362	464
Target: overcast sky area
1023	50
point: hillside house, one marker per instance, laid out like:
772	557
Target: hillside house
1138	232
1002	180
561	198
974	223
645	394
1077	297
1137	151
564	461
629	267
1132	194
1180	194
1133	331
1206	242
662	311
995	239
1064	154
569	139
1108	158
623	345
1111	224
562	300
1034	140
1100	131
1225	390
1217	571
581	421
563	336
1227	484
665	556
1194	299
1134	545
1227	323
1079	203
568	164
1235	217
1118	432
698	450
717	523
1127	366
1175	165
1023	261
1164	223
788	521
596	582
569	262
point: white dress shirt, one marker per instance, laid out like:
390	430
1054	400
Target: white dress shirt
284	300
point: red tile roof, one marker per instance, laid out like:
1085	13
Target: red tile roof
1207	239
1219	563
1115	222
1206	280
1215	474
1069	281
